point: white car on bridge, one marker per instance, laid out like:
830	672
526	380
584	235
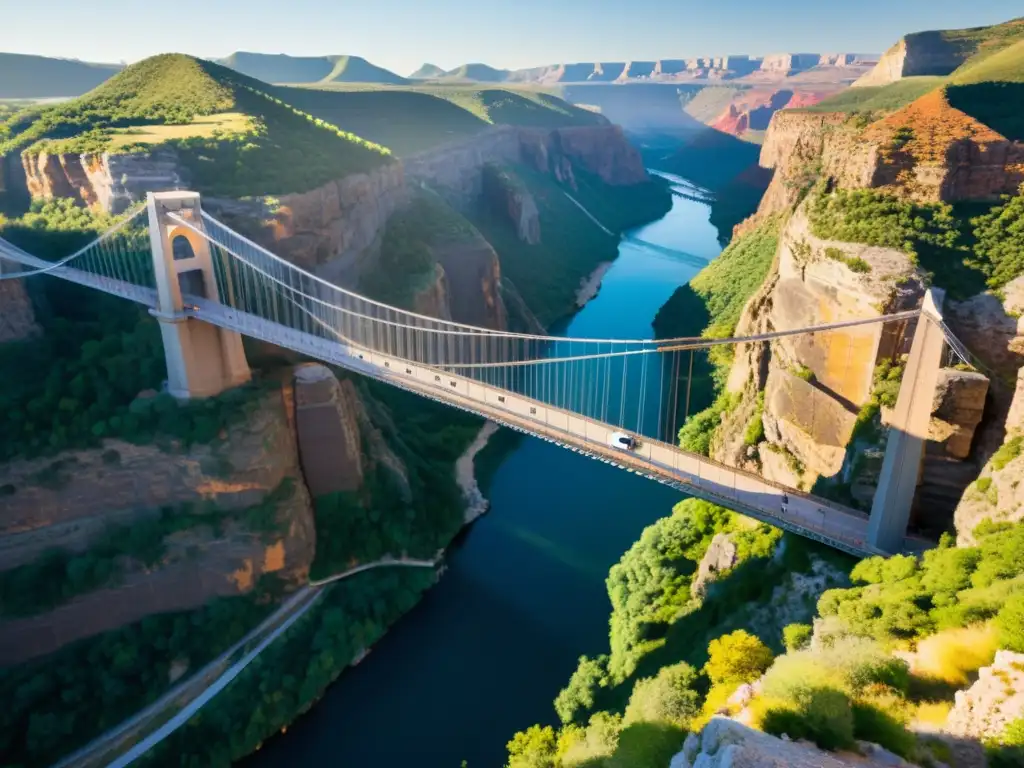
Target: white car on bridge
622	441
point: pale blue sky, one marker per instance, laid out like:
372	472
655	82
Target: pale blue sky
401	34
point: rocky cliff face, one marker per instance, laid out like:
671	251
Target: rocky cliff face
106	182
949	156
801	146
66	501
725	743
927	53
17	319
328	431
472	274
984	710
813	386
332	230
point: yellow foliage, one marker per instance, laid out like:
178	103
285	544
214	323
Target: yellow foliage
954	654
933	712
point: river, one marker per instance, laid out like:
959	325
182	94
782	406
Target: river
487	650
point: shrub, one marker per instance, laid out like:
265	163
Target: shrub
738	657
822	715
954	654
580	746
578	697
646	745
1010	622
883	720
796	637
668	697
533	748
755	428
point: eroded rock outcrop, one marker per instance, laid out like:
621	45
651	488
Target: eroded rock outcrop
509	197
106	182
473	281
996	699
725	743
17	319
721	555
328	431
814	384
957	408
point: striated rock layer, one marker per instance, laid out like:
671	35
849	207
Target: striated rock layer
17	319
121	483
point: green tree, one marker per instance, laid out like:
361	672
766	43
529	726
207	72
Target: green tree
668	697
533	748
1010	621
738	657
796	637
577	699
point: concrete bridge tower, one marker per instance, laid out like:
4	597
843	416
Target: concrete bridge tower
202	359
908	433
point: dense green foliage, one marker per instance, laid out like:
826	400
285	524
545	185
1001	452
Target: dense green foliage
1010	621
78	383
292	673
796	637
714	301
876	218
737	658
652	580
904	597
414	515
170	88
999	242
669	696
962	248
55	704
407	263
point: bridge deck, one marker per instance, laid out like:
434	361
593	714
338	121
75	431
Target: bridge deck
810	516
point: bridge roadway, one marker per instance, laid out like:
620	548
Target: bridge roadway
838	526
696	475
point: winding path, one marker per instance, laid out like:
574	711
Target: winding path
192	694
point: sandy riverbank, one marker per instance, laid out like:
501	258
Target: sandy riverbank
465	475
591	285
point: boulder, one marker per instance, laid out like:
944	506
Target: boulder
957	408
720	556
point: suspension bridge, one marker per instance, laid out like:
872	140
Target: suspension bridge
208	286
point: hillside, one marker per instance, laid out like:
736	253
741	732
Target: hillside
281	68
40	77
427	72
480	73
941	52
210	115
444	112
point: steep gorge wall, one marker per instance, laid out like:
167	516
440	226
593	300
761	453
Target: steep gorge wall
68	500
813	384
106	182
949	157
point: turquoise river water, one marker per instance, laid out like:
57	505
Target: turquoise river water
487	650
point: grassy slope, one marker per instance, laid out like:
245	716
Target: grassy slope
481	73
281	68
444	113
988	54
283	151
883	98
38	77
